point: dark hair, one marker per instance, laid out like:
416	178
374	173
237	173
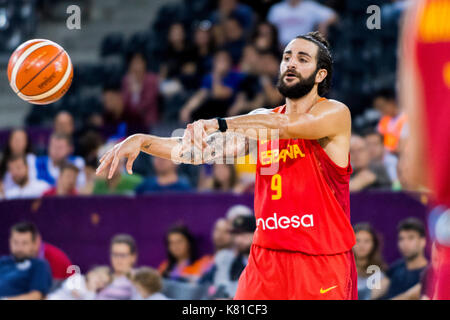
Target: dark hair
132	54
112	85
172	261
324	59
274	44
18	157
25	227
371	131
412	224
61	136
125	239
233	178
7	152
375	257
385	93
148	278
69	166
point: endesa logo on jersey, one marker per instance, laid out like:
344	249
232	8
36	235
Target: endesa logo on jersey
284	222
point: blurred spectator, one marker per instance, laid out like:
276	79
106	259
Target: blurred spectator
140	90
241	11
367	253
18	145
67	181
296	17
204	47
234	40
22	275
379	155
365	175
259	85
238	210
218	177
60	151
116	120
222	234
24	186
265	38
59	262
392	121
179	59
120	183
182	262
216	93
80	287
123	253
229	263
64	124
402	281
166	178
148	283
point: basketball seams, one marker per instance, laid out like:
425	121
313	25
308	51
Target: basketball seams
56	88
23	57
40	71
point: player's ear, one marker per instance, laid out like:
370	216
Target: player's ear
321	75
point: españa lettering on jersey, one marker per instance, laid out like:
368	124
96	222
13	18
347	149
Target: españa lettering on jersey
303	205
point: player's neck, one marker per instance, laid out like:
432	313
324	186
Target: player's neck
303	104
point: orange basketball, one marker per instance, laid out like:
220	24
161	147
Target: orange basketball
40	71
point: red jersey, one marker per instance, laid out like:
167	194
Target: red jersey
432	55
301	198
59	262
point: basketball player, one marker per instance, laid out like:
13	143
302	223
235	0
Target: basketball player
425	96
303	241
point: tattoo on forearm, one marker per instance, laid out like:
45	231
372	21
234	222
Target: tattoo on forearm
147	147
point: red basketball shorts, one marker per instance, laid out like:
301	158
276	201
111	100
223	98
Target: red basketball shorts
286	275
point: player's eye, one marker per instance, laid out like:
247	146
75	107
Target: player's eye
286	58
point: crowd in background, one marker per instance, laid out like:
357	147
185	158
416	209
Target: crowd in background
224	65
46	272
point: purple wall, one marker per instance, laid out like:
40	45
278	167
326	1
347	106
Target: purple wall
83	226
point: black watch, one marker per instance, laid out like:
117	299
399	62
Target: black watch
222	124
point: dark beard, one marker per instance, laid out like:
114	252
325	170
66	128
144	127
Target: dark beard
300	89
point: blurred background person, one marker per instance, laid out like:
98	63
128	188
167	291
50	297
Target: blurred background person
123	255
166	178
120	183
24	186
379	156
64	124
140	89
216	93
83	287
367	253
294	17
393	120
148	283
66	183
22	275
183	263
18	144
402	281
60	151
365	176
229	263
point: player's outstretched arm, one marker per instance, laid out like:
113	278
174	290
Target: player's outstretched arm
326	119
167	148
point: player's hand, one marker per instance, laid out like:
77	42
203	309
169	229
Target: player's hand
196	133
129	148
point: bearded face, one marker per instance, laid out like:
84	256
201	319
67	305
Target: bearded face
292	85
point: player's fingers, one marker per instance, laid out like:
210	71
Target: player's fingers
114	164
104	156
106	161
130	162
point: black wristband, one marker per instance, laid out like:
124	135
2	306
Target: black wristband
222	124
